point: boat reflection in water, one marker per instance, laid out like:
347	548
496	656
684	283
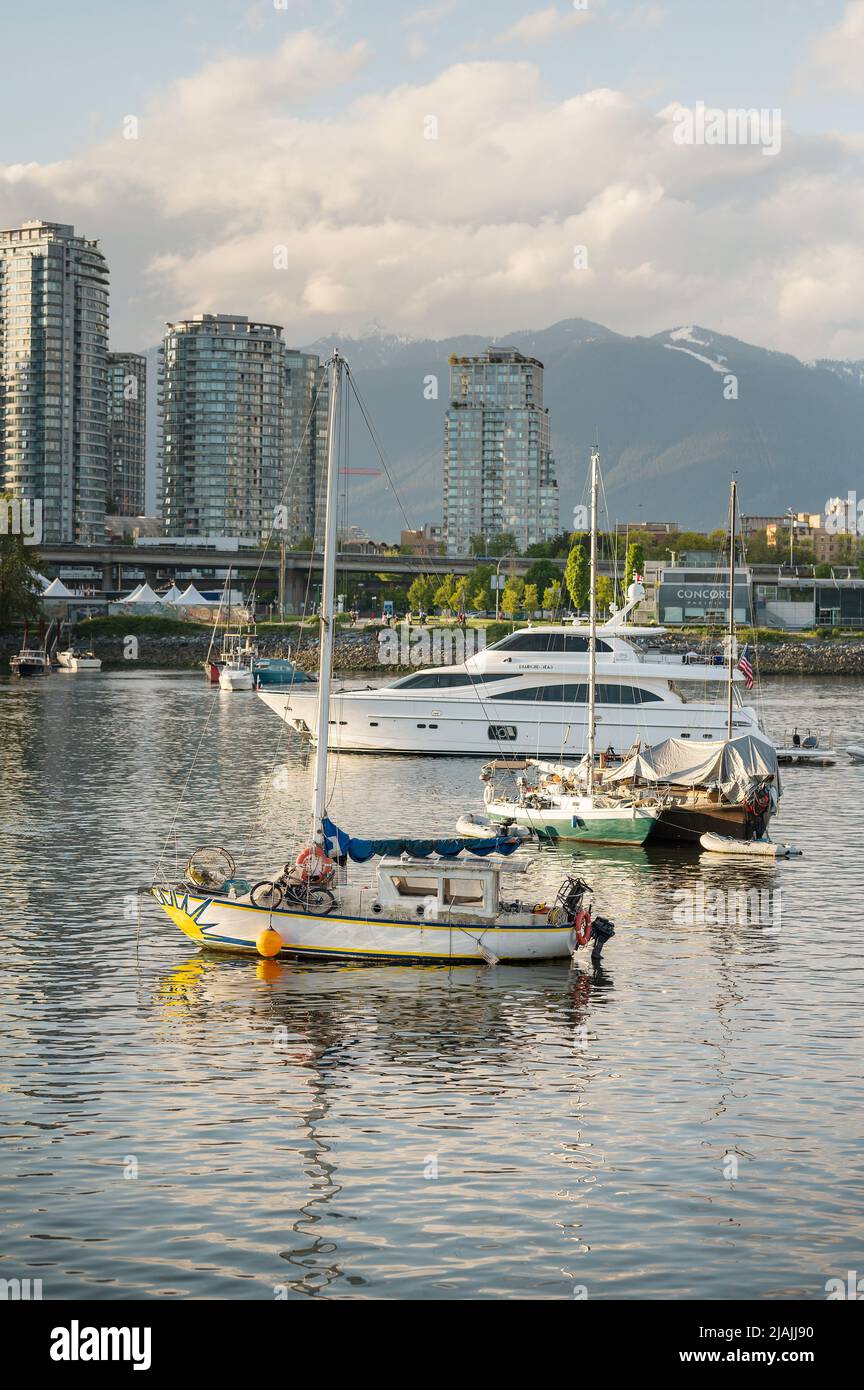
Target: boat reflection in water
334	1041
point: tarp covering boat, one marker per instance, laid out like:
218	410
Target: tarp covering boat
733	764
361	850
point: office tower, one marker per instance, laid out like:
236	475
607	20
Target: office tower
222	381
499	474
127	406
54	377
306	408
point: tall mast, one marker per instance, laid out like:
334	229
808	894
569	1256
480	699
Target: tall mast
328	594
592	638
733	501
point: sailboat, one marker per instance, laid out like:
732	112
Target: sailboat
726	787
424	901
570	803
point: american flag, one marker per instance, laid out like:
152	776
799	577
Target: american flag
745	668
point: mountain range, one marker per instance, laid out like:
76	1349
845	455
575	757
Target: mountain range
672	426
676	415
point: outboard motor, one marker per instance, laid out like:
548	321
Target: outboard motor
569	908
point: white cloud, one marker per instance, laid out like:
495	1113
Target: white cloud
472	231
838	56
543	25
648	16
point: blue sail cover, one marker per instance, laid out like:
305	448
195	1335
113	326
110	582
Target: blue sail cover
361	850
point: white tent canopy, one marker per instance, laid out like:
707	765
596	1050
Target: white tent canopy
130	598
144	595
191	598
57	589
173	595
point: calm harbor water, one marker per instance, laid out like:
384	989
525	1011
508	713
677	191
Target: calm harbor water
179	1125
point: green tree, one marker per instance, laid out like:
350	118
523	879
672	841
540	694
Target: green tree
552	595
558	548
541	573
605	595
421	594
530	598
577	575
502	544
459	597
512	598
444	593
635	562
480	590
19	579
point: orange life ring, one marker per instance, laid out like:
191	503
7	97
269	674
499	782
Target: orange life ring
582	926
320	865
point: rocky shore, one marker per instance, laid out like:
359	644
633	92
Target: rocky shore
359	651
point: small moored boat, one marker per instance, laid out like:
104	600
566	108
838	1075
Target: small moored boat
758	849
77	659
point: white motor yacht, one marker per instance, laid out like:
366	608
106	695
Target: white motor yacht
528	695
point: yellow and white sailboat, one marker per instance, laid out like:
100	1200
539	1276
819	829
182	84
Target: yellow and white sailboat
425	900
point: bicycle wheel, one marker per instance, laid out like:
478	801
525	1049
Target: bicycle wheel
318	900
266	894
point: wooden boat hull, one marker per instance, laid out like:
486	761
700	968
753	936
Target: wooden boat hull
220	925
687	824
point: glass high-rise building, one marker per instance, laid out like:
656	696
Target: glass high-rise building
54	377
499	474
127	409
306	413
222	390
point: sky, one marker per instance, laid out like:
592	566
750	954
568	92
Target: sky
454	166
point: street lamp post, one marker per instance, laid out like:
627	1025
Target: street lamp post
791	515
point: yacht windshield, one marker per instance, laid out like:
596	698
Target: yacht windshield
528	641
442	680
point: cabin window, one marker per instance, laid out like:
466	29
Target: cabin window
577	694
415	887
501	732
463	891
547	642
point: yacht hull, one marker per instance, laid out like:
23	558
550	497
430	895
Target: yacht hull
219	925
471	727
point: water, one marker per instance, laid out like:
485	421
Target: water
399	1132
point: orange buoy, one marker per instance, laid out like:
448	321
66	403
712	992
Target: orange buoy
268	943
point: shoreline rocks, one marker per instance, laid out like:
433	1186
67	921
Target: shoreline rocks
357	651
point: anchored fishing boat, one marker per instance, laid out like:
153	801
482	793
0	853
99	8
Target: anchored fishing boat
422	902
32	660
